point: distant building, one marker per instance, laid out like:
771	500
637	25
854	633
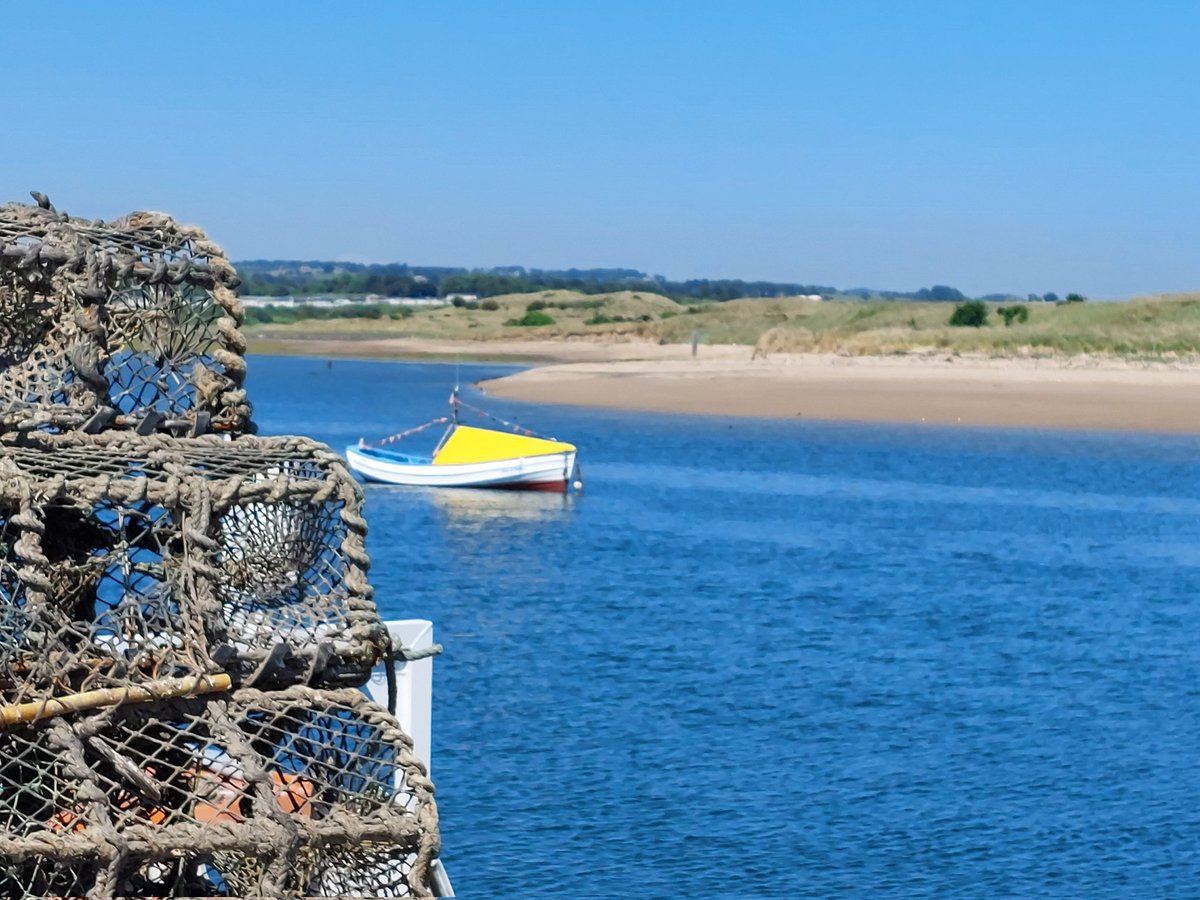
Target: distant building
327	301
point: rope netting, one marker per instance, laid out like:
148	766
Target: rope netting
253	794
131	323
184	615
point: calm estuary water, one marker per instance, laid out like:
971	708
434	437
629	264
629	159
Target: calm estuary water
787	659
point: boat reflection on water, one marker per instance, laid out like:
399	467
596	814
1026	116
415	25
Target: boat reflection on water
512	537
469	509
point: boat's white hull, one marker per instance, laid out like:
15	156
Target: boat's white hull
537	473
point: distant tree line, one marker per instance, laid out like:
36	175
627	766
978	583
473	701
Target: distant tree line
268	278
296	312
296	278
939	293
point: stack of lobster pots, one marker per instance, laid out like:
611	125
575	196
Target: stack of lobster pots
185	618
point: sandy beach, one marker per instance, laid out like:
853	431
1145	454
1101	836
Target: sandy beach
934	388
1076	393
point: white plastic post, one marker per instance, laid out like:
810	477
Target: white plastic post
414	704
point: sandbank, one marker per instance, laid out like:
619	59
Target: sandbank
1067	393
1079	392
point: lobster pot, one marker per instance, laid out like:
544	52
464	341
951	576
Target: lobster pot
126	559
300	792
183	606
95	595
288	563
348	748
292	575
121	324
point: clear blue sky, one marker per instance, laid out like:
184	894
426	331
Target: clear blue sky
999	146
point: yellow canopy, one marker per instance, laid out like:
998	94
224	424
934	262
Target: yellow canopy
474	445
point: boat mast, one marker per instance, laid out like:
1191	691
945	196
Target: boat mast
454	396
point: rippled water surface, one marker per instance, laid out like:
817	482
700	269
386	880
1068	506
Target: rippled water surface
788	659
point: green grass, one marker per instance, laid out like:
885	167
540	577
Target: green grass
1151	327
533	318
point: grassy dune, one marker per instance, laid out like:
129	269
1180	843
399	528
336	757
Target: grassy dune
1161	327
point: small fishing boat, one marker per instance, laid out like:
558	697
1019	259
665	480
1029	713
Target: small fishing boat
468	456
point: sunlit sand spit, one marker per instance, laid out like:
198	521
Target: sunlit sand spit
1073	392
930	387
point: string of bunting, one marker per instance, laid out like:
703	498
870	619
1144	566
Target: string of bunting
520	429
391	439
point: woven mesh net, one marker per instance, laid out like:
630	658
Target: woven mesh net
184	615
128	324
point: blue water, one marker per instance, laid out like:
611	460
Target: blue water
785	659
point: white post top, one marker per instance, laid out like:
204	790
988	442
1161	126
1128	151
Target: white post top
414	684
